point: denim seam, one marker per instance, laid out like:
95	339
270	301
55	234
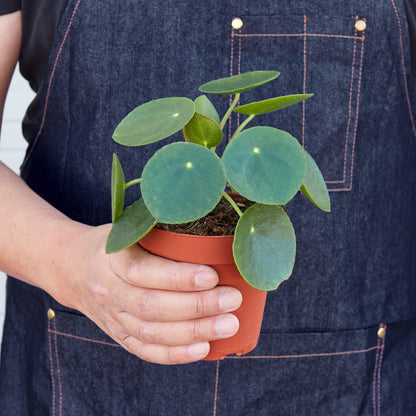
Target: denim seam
375	379
406	88
217	374
323	354
356	121
319	35
380	361
35	141
231	74
349	113
58	371
304	81
51	366
83	338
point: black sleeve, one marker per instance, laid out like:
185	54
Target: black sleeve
9	6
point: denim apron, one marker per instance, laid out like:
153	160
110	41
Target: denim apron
339	337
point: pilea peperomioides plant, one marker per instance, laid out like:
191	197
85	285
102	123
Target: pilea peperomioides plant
184	181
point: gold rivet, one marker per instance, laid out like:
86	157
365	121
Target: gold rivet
360	25
51	314
381	332
237	23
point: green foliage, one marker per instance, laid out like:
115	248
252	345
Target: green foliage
264	246
184	181
265	165
154	121
134	223
314	185
239	83
203	130
272	104
117	189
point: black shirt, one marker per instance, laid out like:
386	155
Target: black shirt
41	18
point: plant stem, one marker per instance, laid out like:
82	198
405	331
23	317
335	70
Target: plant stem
233	204
184	135
227	114
133	182
242	125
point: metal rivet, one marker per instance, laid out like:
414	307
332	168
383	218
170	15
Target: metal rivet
237	23
360	25
51	314
381	332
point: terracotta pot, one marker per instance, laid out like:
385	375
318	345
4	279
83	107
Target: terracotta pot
215	251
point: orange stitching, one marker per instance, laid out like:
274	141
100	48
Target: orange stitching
349	112
356	124
231	74
49	87
374	378
83	339
380	360
321	35
404	69
304	81
58	371
239	72
324	354
356	114
52	376
216	387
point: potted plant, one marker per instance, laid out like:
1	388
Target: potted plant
184	182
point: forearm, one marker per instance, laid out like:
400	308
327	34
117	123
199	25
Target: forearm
34	235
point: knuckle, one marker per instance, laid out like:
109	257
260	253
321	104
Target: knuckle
147	304
144	333
100	292
176	277
134	270
196	330
200	304
142	353
171	356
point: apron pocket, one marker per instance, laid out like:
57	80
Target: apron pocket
314	373
315	54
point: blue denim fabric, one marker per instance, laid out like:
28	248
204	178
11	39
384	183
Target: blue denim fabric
319	353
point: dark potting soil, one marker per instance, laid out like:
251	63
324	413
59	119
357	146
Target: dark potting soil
222	220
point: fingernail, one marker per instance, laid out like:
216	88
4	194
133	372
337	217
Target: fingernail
199	350
230	300
205	280
226	325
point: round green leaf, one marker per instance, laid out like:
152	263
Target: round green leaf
154	121
314	186
182	182
265	165
203	130
117	189
264	246
239	83
204	106
272	104
134	223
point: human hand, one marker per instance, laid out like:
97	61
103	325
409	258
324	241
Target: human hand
160	310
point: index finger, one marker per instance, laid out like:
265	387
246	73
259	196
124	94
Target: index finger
143	269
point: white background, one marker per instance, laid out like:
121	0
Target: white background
12	145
